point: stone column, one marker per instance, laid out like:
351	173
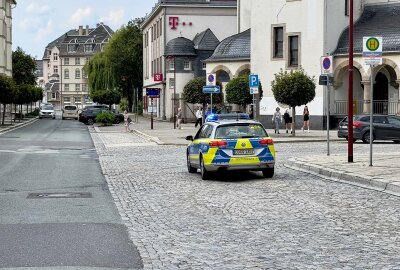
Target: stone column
398	100
367	96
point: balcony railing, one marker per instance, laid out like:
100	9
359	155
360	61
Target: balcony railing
379	107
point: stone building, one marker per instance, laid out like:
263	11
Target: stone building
6	7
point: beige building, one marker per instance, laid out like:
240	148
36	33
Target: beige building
63	62
6	7
177	36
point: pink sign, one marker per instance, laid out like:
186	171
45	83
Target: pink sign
158	77
173	22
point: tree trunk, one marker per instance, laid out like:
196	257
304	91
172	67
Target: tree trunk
293	121
4	114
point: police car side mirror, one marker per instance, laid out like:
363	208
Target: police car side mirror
189	138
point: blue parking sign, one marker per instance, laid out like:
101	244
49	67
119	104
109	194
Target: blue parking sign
253	81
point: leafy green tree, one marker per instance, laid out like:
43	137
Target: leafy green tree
193	93
238	91
108	97
294	88
24	67
6	93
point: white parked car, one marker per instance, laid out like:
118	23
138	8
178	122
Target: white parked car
47	111
70	111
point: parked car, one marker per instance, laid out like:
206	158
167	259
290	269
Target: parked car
385	127
88	116
47	111
70	111
88	107
231	144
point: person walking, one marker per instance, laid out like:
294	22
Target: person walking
199	117
179	119
127	121
288	119
277	119
306	119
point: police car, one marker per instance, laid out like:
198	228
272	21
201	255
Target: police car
230	142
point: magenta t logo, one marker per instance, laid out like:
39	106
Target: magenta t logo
173	22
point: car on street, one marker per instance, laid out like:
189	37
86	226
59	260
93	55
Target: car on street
70	111
88	116
47	111
230	142
385	127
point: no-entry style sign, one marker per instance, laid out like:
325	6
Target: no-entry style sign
326	65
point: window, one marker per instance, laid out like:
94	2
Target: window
77	87
77	73
293	51
77	61
48	64
66	61
172	65
66	87
55	69
278	42
84	75
55	57
84	87
186	65
67	99
66	73
171	82
346	7
53	95
78	100
88	47
204	66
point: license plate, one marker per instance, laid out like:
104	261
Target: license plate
243	152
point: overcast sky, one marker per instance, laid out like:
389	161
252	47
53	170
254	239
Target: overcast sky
36	23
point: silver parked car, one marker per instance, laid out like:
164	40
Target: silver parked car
47	111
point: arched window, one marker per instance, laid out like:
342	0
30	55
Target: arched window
66	73
77	73
84	73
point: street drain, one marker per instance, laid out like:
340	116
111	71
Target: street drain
59	195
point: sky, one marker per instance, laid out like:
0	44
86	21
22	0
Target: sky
36	23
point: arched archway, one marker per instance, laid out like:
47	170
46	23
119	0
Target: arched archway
243	70
381	93
223	70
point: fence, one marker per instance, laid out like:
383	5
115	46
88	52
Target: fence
379	107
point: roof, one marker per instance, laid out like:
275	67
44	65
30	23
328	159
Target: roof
180	47
95	36
236	47
206	41
376	20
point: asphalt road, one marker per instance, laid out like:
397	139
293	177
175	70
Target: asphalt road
56	211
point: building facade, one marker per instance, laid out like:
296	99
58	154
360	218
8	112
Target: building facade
289	35
180	27
6	7
63	62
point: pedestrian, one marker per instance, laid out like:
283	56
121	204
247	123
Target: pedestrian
288	119
199	116
127	121
277	119
251	114
306	119
179	118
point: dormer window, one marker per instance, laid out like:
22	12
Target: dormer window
73	45
89	45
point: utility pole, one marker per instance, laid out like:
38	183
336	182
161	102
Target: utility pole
350	92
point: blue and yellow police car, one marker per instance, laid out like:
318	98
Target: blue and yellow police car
230	142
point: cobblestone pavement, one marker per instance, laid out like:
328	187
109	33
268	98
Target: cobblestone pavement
242	221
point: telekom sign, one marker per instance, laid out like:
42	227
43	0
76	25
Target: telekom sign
174	22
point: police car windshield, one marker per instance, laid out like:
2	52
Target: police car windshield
242	130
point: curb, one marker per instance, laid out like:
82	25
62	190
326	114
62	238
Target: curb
146	136
343	177
18	125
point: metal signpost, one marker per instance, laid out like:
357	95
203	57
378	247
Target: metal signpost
152	93
372	54
254	83
211	90
327	70
211	80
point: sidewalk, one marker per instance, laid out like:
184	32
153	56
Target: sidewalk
384	176
16	124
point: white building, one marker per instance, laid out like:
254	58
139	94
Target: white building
190	30
288	35
63	62
6	36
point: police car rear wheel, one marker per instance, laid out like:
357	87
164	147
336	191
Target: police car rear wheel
205	175
189	166
268	173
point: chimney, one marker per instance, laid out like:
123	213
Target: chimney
97	24
80	31
87	30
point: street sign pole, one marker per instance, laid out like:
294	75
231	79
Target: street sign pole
371	115
211	104
151	99
327	116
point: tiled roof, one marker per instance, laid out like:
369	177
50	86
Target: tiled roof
236	47
180	47
206	41
377	20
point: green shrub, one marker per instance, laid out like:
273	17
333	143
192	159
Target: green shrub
123	104
107	118
33	113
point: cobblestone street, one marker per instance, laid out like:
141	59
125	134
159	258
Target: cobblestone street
242	221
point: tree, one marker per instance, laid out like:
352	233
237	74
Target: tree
238	91
108	97
293	88
193	92
6	93
24	67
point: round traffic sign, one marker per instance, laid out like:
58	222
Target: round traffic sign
211	78
326	63
372	44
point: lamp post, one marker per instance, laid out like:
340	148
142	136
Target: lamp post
173	98
350	92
